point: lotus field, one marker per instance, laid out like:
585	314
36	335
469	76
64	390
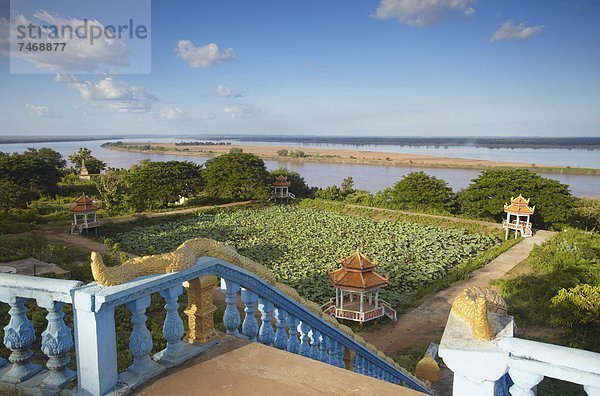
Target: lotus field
301	245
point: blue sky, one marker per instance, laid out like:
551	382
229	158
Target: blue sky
347	67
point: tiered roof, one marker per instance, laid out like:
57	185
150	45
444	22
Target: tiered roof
84	205
281	181
519	205
357	272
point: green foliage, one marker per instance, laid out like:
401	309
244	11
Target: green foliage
297	186
587	214
71	186
419	191
152	185
30	175
331	193
283	239
298	154
235	150
347	186
236	176
485	197
578	309
359	197
111	190
566	261
282	153
84	156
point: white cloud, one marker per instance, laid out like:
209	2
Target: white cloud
422	13
235	110
203	57
116	95
226	92
510	32
172	113
78	55
37	111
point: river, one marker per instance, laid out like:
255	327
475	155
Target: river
369	177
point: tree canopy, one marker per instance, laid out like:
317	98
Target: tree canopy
33	173
152	185
422	192
92	164
486	195
236	176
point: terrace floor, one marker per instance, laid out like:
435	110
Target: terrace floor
238	367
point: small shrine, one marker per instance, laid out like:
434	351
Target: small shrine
84	216
281	189
84	174
357	291
518	213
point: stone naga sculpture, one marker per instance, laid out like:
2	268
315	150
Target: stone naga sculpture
472	306
184	256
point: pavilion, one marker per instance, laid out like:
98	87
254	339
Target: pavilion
84	216
281	189
357	291
518	213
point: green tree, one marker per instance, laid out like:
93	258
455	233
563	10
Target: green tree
13	195
235	150
152	185
36	171
282	153
111	189
92	164
422	192
486	195
236	176
298	185
331	193
51	157
347	186
298	154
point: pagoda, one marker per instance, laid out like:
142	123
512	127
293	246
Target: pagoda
357	291
518	213
281	189
84	216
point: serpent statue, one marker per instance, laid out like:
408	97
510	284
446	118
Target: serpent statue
472	306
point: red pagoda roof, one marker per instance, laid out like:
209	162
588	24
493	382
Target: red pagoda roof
519	205
357	272
281	181
84	205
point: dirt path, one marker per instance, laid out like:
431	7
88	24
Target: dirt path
450	218
62	234
426	322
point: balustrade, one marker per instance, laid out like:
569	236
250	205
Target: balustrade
295	328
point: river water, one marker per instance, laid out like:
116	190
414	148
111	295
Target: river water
369	177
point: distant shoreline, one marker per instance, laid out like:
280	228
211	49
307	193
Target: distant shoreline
340	156
565	143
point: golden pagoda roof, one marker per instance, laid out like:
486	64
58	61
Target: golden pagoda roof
357	272
84	205
519	205
281	181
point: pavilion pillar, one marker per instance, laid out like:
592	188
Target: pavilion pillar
341	299
362	299
377	298
337	298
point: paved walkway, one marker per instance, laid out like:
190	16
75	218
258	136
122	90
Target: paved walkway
449	218
426	322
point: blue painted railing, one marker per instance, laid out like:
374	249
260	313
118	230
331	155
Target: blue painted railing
297	329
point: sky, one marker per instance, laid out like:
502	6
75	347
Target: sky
317	67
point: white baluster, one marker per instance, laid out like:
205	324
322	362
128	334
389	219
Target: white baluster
280	336
250	324
293	345
525	382
57	341
314	336
140	341
18	337
172	326
266	335
231	317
